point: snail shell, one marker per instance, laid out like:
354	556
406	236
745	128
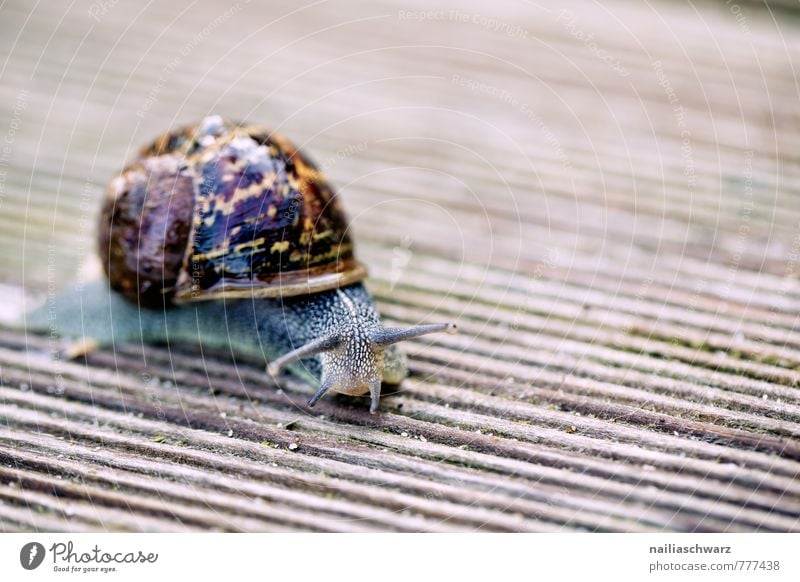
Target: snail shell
223	209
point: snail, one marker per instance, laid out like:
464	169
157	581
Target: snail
225	235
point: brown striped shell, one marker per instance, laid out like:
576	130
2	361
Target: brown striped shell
223	209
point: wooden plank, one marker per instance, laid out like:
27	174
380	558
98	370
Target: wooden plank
617	236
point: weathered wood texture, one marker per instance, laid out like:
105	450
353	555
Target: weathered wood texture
606	198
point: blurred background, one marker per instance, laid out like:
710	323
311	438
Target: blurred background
614	139
605	196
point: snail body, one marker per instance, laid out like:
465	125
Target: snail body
226	235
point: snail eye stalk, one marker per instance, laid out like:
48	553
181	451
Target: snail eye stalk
392	335
313	348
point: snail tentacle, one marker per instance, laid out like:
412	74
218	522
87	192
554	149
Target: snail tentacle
375	395
392	335
327	384
313	348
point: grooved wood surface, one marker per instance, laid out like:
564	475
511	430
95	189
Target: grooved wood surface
606	198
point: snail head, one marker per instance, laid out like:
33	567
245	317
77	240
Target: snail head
353	361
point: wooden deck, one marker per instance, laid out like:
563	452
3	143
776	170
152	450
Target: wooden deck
606	199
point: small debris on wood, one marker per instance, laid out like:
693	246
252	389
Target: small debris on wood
288	425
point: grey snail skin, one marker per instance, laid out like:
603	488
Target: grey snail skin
225	235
